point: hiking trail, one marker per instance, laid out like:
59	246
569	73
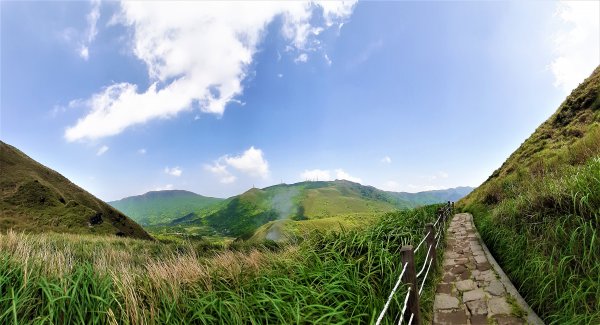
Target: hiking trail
474	290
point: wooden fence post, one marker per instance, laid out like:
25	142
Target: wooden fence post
408	257
430	243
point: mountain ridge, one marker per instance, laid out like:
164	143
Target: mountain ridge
241	215
157	207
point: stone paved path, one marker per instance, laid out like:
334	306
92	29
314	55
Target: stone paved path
470	291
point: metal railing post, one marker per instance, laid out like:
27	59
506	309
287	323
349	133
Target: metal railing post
408	257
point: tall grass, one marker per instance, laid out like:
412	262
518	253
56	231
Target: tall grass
545	234
342	277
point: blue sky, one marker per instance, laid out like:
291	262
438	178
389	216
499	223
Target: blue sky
123	98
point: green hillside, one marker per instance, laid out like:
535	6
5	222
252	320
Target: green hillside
242	215
34	198
540	211
160	207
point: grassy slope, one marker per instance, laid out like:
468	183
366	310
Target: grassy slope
328	278
540	211
284	230
35	198
161	207
242	215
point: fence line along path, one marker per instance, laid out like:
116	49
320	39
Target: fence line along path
415	280
471	292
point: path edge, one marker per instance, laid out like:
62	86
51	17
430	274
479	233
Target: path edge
532	317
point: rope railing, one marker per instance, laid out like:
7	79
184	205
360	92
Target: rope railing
387	304
422	241
425	277
432	238
438	220
403	308
425	264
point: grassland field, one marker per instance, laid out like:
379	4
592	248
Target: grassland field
340	277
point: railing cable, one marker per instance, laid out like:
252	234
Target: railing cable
387	304
425	278
424	263
438	220
422	241
404	307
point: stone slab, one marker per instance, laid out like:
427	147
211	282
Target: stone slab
477	307
499	306
495	288
476	294
466	285
444	301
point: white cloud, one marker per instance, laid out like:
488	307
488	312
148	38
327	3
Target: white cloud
84	52
197	55
280	75
386	160
102	150
303	57
175	171
91	31
141	151
326	175
316	175
341	174
333	11
577	47
327	59
221	171
251	162
57	109
164	188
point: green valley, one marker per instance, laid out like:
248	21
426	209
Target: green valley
301	205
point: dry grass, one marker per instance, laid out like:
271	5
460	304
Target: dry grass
142	277
328	278
55	256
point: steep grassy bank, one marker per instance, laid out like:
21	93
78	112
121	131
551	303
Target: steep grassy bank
35	198
327	278
547	240
539	213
